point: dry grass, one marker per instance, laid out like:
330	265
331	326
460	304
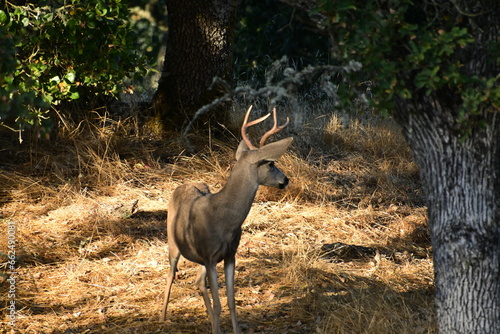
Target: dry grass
91	242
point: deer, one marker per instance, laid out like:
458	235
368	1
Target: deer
205	227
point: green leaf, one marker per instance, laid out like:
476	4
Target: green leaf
3	17
55	80
32	81
70	77
406	94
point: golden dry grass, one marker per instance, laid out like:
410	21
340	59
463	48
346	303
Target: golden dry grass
91	243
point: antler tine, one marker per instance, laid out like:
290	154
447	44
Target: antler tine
246	125
274	129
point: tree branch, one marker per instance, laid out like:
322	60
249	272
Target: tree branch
285	88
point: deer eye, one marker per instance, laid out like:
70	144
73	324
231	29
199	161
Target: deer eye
266	162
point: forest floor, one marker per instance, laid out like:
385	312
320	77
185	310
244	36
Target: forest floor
344	249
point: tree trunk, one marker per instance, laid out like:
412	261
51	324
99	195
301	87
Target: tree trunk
198	49
461	178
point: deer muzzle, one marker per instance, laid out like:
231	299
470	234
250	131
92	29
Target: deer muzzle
283	184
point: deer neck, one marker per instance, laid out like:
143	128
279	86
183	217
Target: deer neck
237	196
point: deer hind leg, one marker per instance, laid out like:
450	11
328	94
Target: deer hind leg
229	273
174	255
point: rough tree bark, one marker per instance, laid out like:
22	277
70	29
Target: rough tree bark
462	183
198	49
461	176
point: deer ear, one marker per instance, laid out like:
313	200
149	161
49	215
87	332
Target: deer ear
241	148
274	150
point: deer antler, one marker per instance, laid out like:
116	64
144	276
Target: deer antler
246	125
274	129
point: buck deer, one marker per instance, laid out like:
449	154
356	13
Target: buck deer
205	227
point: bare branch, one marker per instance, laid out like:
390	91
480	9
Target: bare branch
285	88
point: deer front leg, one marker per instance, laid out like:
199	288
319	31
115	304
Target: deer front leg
214	288
229	272
201	282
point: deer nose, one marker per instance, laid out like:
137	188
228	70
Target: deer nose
284	183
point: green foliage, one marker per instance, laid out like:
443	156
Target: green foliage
63	50
268	30
409	53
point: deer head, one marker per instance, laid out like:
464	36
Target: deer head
263	158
